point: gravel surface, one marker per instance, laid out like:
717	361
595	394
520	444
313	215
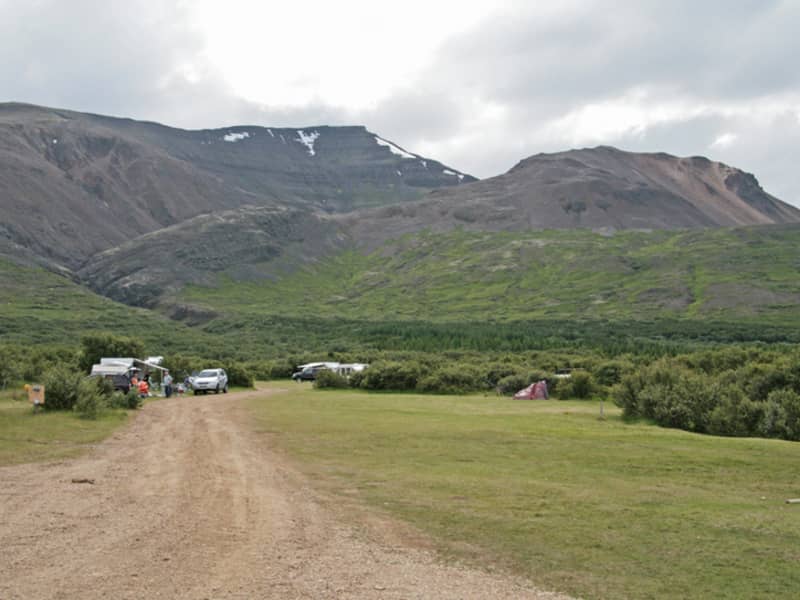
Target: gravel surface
188	502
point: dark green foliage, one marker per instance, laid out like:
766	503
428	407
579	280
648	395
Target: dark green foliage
181	366
91	398
511	384
330	379
610	372
580	385
782	415
454	379
393	375
10	368
734	414
757	399
238	375
98	345
357	379
61	388
129	401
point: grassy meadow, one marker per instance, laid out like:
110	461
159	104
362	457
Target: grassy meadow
595	508
28	436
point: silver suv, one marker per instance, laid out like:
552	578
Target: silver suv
210	380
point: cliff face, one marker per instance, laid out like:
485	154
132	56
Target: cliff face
73	184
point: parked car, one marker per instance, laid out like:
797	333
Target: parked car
210	380
308	374
120	382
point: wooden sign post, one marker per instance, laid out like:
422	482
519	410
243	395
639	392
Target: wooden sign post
36	395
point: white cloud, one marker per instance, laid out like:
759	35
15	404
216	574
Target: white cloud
724	141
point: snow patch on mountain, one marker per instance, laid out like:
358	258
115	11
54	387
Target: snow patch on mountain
394	149
307	139
236	137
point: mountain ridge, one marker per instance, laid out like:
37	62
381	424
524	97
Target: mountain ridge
74	184
600	188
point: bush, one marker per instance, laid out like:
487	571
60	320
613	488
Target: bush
238	375
393	375
580	385
610	372
96	346
61	388
781	415
90	401
511	384
455	379
735	414
357	379
330	379
129	401
685	403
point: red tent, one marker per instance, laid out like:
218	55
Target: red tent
535	391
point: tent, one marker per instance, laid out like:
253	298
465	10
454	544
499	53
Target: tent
535	391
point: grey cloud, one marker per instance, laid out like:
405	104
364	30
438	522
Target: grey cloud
709	48
128	59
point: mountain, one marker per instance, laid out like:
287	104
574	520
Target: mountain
593	188
602	189
75	184
244	245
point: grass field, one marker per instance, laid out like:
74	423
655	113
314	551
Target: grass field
596	508
26	436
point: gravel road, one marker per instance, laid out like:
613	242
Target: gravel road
187	501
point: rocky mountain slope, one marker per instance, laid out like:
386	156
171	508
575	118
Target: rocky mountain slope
247	244
74	184
593	188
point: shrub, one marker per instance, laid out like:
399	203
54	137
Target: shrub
357	379
497	372
393	375
90	401
330	379
511	384
735	414
781	415
130	401
685	403
238	375
96	346
580	385
610	372
61	388
455	379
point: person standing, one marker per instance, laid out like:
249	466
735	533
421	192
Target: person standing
167	381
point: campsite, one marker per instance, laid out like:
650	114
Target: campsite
434	300
357	489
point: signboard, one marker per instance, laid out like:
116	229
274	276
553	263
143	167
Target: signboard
36	394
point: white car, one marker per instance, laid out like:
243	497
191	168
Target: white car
210	380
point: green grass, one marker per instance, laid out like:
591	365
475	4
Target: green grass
747	273
40	307
599	509
26	436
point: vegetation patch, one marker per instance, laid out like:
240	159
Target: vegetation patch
27	436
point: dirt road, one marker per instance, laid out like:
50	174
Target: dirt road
189	502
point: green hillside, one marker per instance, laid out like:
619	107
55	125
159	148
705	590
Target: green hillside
746	274
39	306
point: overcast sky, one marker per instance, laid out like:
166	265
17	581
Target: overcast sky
477	84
